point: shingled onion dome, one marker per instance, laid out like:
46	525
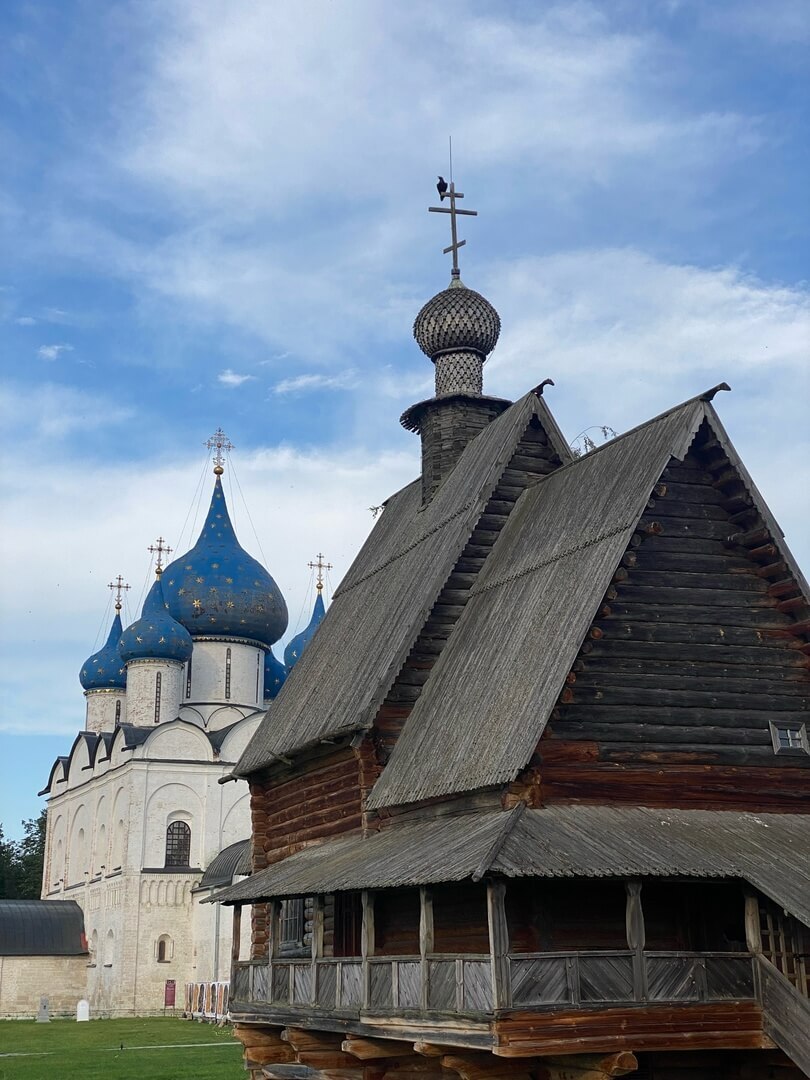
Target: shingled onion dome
106	669
274	675
219	591
293	651
156	635
458	328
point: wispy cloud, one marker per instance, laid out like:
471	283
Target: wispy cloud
53	352
25	320
233	378
296	384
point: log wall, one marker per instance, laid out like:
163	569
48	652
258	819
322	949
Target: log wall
693	652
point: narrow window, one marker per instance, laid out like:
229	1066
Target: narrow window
259	658
188	677
178	844
118	710
227	674
789	737
164	949
348	924
158	680
291	926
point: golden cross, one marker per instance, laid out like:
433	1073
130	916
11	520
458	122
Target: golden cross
320	566
453	211
221	441
120	588
159	548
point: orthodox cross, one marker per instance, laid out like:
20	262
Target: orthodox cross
120	588
320	566
159	548
221	441
453	211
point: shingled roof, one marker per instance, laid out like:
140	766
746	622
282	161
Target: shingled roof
339	682
491	692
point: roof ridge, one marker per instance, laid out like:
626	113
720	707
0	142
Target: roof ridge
489	857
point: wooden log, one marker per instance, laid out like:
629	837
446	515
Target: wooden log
484	1066
764	551
717	695
429	1049
302	1039
373	1049
802	627
772	570
616	1064
732	615
764	666
750	539
775	638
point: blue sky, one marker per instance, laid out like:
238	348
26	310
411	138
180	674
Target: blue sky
213	213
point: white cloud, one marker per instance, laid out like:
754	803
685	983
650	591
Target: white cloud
345	380
53	352
25	320
232	378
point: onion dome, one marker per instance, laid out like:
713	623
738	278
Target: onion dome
455	319
218	590
274	675
106	670
293	651
156	635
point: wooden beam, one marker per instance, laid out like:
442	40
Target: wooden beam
373	1049
753	937
317	943
636	938
425	941
237	936
367	942
274	919
616	1064
498	943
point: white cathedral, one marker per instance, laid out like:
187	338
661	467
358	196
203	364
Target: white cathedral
139	828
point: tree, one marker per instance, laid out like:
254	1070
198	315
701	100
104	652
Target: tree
21	862
7	874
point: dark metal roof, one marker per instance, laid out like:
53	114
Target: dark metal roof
340	681
772	851
41	928
492	689
224	867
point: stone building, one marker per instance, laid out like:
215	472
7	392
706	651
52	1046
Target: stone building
43	954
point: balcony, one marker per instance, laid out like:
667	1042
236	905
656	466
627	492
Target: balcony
467	985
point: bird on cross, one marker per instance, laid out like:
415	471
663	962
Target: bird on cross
441	187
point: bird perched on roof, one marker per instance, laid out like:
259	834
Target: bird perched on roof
441	187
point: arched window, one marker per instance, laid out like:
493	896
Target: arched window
158	681
165	949
178	844
109	949
118	710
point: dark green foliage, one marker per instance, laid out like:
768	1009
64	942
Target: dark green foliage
21	862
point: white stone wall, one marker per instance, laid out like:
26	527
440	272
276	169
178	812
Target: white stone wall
210	685
24	979
105	709
143	707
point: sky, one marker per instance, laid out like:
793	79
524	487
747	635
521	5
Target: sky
213	213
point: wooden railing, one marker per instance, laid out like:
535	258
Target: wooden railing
463	983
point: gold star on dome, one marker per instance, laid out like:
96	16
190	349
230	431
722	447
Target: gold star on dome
101	671
212	588
199	580
139	640
229	581
197	604
181	592
215	566
188	567
229	603
172	582
212	618
162	641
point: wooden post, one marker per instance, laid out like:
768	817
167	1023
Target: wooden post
317	944
237	935
498	943
425	942
753	936
367	943
274	918
636	938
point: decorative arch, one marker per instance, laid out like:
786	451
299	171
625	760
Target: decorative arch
164	949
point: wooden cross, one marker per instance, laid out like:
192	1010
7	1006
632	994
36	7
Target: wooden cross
159	548
221	441
453	211
320	566
120	588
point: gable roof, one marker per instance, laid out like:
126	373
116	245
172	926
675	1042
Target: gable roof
489	696
381	605
768	850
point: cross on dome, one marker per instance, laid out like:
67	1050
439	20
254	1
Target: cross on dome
220	441
454	212
120	588
159	548
320	566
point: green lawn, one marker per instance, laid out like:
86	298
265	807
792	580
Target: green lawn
65	1050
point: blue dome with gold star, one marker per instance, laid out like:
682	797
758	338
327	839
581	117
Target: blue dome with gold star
218	590
105	670
293	651
156	635
274	675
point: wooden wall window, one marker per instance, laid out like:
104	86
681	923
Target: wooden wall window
694	916
178	844
291	927
396	922
789	737
348	924
460	919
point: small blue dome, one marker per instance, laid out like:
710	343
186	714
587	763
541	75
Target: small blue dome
274	675
293	651
156	635
106	670
218	590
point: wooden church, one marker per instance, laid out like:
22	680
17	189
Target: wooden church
535	802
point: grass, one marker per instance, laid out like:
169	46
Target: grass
65	1050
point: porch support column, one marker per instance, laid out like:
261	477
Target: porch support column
425	943
317	943
498	943
237	936
367	943
636	938
753	935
